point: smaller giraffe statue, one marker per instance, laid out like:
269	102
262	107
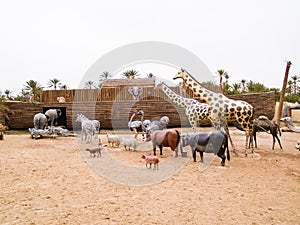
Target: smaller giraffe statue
223	109
194	110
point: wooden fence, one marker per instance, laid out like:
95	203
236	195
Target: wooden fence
116	114
104	94
112	104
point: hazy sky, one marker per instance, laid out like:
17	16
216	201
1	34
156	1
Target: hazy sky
42	40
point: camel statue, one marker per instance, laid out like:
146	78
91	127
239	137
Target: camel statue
289	123
263	124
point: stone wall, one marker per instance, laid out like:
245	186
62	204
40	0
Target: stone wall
263	103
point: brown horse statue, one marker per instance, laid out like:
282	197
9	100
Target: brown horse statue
164	138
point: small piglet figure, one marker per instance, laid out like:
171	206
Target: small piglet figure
151	160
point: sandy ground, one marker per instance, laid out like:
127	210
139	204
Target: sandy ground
51	181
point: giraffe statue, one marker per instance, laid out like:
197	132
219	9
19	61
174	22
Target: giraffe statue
223	109
194	110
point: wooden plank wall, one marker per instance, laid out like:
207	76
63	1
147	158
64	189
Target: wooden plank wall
104	94
21	114
111	114
117	113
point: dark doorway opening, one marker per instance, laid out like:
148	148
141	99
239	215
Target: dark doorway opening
62	120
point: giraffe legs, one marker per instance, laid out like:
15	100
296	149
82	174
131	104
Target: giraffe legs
231	142
249	135
247	139
251	140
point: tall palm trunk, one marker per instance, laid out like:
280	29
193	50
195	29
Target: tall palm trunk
288	65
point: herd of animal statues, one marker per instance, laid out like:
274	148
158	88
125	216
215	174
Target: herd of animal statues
214	107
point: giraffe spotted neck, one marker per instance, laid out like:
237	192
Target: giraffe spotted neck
175	98
194	110
201	92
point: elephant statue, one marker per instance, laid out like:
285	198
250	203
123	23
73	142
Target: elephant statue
52	116
40	121
135	92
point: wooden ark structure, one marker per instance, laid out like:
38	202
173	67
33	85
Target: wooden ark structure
113	104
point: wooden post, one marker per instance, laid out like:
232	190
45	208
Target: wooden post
288	65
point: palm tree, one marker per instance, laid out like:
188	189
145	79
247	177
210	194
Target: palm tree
295	80
226	86
63	87
54	83
236	88
104	76
34	88
289	87
7	93
256	87
89	84
131	74
226	77
243	82
221	74
150	75
282	93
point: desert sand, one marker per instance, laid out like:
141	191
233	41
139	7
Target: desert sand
53	181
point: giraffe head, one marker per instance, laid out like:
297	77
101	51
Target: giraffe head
181	74
158	84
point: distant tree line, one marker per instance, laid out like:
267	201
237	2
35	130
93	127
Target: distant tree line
32	89
244	86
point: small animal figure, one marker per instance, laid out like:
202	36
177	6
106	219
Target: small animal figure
151	160
94	151
113	140
129	142
297	146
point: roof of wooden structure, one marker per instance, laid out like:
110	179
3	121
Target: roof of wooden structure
128	82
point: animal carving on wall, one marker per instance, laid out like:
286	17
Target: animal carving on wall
61	99
136	92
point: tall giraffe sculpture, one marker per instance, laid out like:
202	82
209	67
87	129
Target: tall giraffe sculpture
223	109
194	110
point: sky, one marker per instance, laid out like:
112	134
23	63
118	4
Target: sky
42	40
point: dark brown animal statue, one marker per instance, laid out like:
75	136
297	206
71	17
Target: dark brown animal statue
262	123
164	138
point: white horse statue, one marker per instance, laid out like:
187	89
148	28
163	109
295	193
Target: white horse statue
87	128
